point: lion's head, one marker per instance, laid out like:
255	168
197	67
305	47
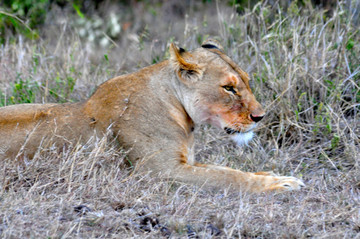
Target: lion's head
215	90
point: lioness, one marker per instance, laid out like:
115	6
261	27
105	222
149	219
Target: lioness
154	112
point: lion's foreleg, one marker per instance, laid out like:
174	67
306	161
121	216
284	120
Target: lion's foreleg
223	177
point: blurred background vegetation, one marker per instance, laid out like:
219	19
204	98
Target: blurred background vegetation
29	17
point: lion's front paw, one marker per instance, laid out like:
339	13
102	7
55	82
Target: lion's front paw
281	183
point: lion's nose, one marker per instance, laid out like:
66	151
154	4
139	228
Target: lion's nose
256	118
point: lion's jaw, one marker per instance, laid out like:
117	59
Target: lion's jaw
239	136
223	118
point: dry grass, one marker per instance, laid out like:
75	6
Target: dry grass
304	72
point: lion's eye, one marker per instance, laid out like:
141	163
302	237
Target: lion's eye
229	88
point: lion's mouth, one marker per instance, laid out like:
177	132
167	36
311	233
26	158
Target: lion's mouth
231	131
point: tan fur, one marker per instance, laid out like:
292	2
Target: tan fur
153	113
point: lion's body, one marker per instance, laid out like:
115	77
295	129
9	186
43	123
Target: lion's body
153	113
24	127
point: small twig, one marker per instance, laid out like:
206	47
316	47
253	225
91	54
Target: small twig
13	16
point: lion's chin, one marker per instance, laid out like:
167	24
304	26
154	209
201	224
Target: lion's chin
242	138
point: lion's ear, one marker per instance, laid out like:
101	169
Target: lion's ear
187	72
